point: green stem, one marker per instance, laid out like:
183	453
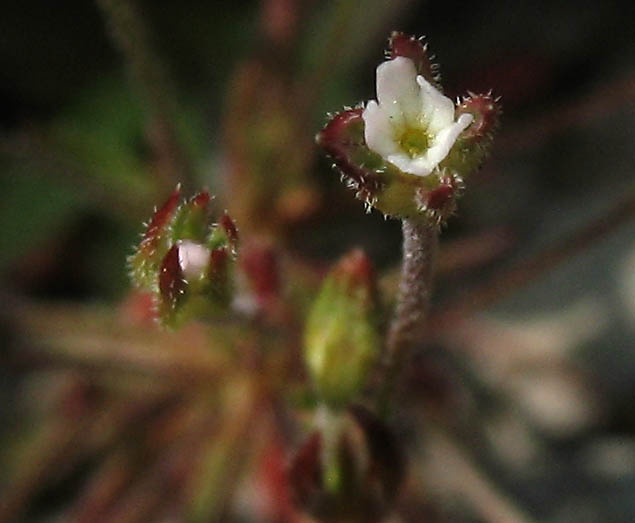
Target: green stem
329	423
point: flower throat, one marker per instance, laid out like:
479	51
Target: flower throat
414	142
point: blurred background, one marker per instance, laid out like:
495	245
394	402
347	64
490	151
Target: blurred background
105	106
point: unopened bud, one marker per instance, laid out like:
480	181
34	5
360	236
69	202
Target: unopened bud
184	259
341	337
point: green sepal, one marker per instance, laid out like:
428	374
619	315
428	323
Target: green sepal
192	219
145	262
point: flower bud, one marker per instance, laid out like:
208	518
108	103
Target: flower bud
185	260
341	338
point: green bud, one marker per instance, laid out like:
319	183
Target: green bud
341	338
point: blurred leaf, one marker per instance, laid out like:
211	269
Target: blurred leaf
34	208
103	133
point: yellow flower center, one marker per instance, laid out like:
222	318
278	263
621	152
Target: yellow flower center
414	142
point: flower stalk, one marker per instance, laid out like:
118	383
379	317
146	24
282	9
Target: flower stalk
420	247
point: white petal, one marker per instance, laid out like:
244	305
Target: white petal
419	166
445	139
193	259
437	111
397	86
379	129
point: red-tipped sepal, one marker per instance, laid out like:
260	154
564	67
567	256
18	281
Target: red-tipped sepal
343	140
144	263
228	226
172	286
486	111
191	221
400	44
473	145
439	204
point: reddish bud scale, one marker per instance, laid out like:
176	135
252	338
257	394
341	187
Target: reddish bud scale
172	285
341	139
410	47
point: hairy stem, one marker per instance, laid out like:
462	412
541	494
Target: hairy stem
420	246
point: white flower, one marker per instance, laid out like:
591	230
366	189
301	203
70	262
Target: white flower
193	259
413	124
